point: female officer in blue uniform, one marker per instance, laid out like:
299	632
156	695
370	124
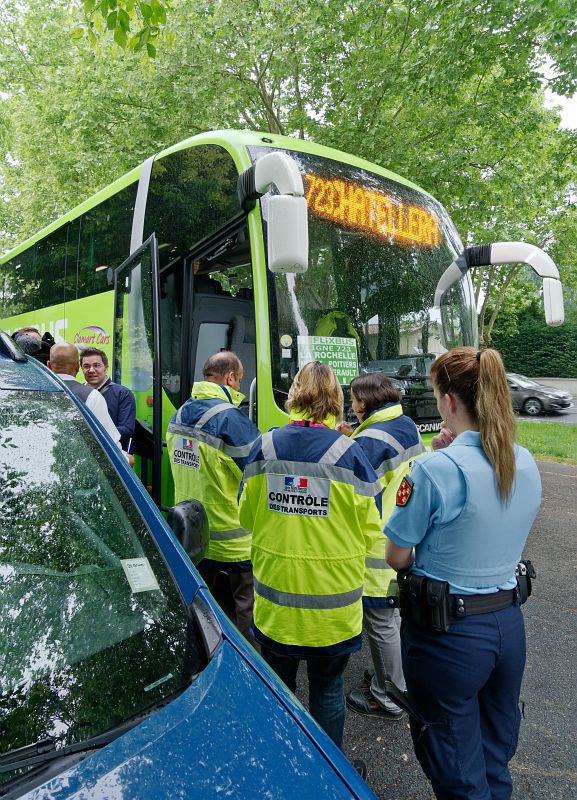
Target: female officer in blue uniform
467	511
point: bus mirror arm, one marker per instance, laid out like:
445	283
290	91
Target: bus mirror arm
287	223
510	253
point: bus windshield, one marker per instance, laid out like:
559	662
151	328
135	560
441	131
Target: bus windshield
377	249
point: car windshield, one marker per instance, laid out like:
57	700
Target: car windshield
377	249
525	383
94	630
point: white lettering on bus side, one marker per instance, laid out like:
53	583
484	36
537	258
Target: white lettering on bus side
428	427
57	328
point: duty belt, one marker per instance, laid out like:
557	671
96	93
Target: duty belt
465	605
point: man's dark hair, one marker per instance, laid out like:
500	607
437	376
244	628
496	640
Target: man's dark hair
221	364
26	339
94	351
375	390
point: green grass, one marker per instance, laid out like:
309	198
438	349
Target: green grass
549	441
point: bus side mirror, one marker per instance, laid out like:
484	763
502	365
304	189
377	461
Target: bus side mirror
189	522
510	253
287	234
287	223
553	301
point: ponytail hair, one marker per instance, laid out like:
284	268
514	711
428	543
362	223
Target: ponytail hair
478	379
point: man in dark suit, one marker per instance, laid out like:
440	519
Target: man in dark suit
120	400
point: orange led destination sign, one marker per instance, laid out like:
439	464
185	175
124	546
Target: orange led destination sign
372	212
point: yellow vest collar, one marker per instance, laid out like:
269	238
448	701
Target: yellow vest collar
380	415
295	414
207	390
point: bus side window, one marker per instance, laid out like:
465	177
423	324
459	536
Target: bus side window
18	285
51	266
104	241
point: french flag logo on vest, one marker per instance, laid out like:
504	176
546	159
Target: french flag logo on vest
188	444
294	482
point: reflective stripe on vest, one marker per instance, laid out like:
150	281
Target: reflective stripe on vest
312	470
336	451
210	413
268	449
307	601
225	536
391	464
376	563
241	451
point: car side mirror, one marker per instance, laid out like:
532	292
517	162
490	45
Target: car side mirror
189	522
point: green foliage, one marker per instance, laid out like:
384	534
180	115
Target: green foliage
537	350
448	94
132	25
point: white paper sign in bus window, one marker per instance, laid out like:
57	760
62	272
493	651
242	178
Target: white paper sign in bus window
339	352
298	495
186	452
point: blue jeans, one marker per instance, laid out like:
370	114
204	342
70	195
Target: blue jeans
465	684
326	687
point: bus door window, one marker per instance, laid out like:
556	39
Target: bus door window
223	311
192	194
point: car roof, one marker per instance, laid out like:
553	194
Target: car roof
18	371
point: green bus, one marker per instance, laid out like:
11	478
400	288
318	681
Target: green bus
276	248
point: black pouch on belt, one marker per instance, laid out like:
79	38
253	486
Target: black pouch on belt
438	600
525	572
412	593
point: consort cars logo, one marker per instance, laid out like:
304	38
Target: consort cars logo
91	336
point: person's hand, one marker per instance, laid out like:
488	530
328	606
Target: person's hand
443	438
344	428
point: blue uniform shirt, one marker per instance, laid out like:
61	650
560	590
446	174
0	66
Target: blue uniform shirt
461	529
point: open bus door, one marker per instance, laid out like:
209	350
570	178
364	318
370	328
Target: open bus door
136	354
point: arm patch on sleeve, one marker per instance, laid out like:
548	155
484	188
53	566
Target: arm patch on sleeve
404	491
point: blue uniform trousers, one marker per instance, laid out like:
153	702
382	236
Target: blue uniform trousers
465	684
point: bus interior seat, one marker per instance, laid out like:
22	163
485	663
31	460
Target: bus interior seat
242	341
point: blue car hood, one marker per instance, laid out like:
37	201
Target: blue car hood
226	736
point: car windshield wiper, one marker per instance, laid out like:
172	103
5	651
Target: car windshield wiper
21	754
46	750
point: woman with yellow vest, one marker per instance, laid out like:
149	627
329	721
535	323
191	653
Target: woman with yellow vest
390	440
312	501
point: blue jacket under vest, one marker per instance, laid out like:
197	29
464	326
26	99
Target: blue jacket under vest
122	409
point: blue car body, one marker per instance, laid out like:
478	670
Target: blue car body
235	731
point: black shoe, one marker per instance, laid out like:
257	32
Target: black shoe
360	767
363	702
368	676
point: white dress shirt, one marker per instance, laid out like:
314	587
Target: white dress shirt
97	404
